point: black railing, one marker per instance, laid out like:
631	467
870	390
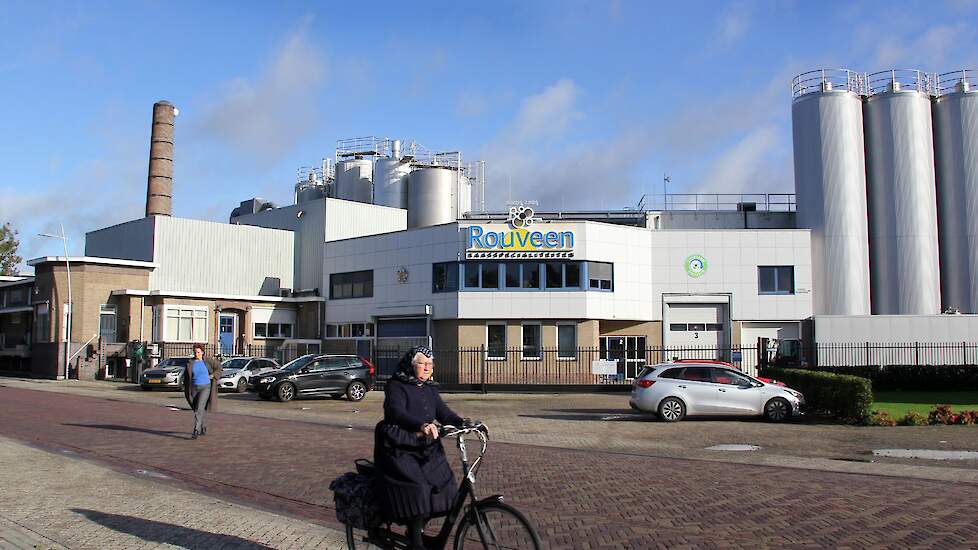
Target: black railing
890	354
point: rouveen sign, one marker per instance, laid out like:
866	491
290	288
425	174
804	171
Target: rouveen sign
517	241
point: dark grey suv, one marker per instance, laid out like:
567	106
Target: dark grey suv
333	375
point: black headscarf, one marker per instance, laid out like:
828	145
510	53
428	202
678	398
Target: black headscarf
405	370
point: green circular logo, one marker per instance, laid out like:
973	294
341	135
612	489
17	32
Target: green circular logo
696	265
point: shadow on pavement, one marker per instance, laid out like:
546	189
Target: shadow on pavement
167	533
119	428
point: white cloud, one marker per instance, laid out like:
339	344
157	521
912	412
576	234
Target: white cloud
265	117
928	50
734	22
746	167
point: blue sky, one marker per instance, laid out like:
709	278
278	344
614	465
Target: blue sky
577	104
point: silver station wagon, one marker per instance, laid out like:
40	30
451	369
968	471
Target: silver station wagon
674	390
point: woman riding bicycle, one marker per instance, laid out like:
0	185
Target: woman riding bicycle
415	481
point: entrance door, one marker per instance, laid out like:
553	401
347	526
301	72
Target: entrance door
228	328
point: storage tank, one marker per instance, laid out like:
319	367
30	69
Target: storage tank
903	248
354	180
432	196
830	186
391	182
955	113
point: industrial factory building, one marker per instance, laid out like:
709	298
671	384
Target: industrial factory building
389	244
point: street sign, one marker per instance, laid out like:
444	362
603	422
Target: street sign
603	366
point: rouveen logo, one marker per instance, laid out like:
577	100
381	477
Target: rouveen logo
518	241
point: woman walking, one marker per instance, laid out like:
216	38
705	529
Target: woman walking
199	387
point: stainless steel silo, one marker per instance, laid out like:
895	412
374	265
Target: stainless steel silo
354	180
830	185
903	249
391	182
431	196
955	113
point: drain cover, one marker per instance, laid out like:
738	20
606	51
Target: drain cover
733	447
929	454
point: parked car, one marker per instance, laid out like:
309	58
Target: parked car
674	390
167	374
236	372
333	375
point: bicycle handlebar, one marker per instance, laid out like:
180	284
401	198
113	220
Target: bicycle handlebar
447	430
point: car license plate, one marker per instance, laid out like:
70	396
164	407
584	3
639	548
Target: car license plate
155	381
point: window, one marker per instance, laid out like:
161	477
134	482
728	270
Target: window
512	274
356	284
43	331
184	324
673	373
776	279
531	275
714	327
490	275
567	341
471	275
531	341
496	341
106	323
331	330
273	330
677	327
600	276
572	275
725	376
444	277
698	374
555	275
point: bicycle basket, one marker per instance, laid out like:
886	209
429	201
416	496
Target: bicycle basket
353	495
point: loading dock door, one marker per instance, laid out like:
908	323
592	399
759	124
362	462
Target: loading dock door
697	331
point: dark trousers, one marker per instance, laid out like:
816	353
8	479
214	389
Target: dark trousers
199	396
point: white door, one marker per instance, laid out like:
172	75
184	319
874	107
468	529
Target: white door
693	328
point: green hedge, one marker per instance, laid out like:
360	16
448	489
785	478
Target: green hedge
914	377
846	398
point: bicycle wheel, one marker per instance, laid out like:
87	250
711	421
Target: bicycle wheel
356	539
503	526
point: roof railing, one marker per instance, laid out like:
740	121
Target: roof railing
901	80
826	80
963	80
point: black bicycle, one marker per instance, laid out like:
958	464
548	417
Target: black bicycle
485	523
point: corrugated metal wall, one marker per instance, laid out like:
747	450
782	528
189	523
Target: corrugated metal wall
201	256
345	219
131	240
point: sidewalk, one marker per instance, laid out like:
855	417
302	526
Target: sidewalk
51	501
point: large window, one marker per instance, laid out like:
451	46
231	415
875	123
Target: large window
185	324
531	341
600	276
531	275
349	330
107	323
273	330
778	279
444	277
567	341
356	284
512	270
496	341
43	331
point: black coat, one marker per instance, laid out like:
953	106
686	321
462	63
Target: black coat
414	477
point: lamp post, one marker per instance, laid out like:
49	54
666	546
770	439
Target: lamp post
70	312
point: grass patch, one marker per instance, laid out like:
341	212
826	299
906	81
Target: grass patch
899	403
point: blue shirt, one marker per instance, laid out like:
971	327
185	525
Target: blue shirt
200	375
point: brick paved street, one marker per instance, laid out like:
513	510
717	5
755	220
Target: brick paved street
577	498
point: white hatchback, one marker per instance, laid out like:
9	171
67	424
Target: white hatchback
675	390
235	372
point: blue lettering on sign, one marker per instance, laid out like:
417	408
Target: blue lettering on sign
520	240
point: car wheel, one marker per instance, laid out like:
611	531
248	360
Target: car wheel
285	392
777	410
356	391
242	385
672	409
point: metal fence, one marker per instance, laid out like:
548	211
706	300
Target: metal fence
891	354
